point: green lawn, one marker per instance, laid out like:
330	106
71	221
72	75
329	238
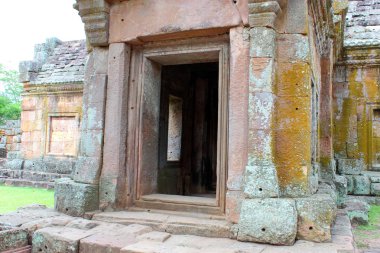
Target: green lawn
12	198
367	236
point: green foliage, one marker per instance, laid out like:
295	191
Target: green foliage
13	89
12	198
10	98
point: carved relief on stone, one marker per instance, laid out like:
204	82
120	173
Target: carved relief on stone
95	16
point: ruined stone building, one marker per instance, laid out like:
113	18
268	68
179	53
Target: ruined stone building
257	114
51	115
356	104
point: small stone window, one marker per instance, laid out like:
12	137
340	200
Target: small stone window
63	135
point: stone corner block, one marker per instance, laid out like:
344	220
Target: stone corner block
316	215
362	185
350	166
341	188
261	182
74	198
87	170
58	239
12	238
269	220
263	42
375	189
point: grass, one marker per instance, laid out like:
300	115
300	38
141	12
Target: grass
373	219
12	197
366	235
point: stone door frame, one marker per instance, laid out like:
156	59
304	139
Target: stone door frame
139	156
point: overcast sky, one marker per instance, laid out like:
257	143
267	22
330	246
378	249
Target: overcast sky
24	23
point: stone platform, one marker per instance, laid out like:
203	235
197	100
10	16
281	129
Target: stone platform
53	232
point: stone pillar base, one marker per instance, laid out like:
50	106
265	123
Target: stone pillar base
280	221
74	198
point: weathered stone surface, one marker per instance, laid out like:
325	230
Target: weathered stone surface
107	241
58	239
362	185
75	198
263	42
256	225
316	215
87	170
261	182
341	187
350	184
206	16
15	164
375	179
154	236
27	214
357	211
12	238
375	189
350	166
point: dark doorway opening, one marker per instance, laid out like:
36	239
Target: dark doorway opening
188	130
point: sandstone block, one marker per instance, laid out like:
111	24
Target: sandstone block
350	184
375	189
154	236
107	241
12	238
58	239
316	215
15	164
75	198
350	166
262	42
362	185
261	182
87	170
375	179
341	187
256	225
357	211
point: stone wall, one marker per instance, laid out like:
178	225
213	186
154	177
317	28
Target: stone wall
51	115
11	139
357	99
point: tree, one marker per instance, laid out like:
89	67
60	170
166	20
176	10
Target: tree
10	98
13	89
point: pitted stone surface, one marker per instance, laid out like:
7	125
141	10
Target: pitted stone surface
256	223
261	182
316	215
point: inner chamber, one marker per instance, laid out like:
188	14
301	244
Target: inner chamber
188	130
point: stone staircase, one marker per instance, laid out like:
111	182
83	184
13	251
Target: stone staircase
40	173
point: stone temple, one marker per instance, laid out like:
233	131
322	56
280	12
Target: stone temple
257	117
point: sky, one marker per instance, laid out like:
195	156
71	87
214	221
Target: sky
24	23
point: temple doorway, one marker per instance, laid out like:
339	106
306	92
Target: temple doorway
188	130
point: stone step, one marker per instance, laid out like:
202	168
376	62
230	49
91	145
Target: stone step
171	222
26	249
26	183
30	175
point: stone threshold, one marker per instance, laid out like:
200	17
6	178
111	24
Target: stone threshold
171	222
